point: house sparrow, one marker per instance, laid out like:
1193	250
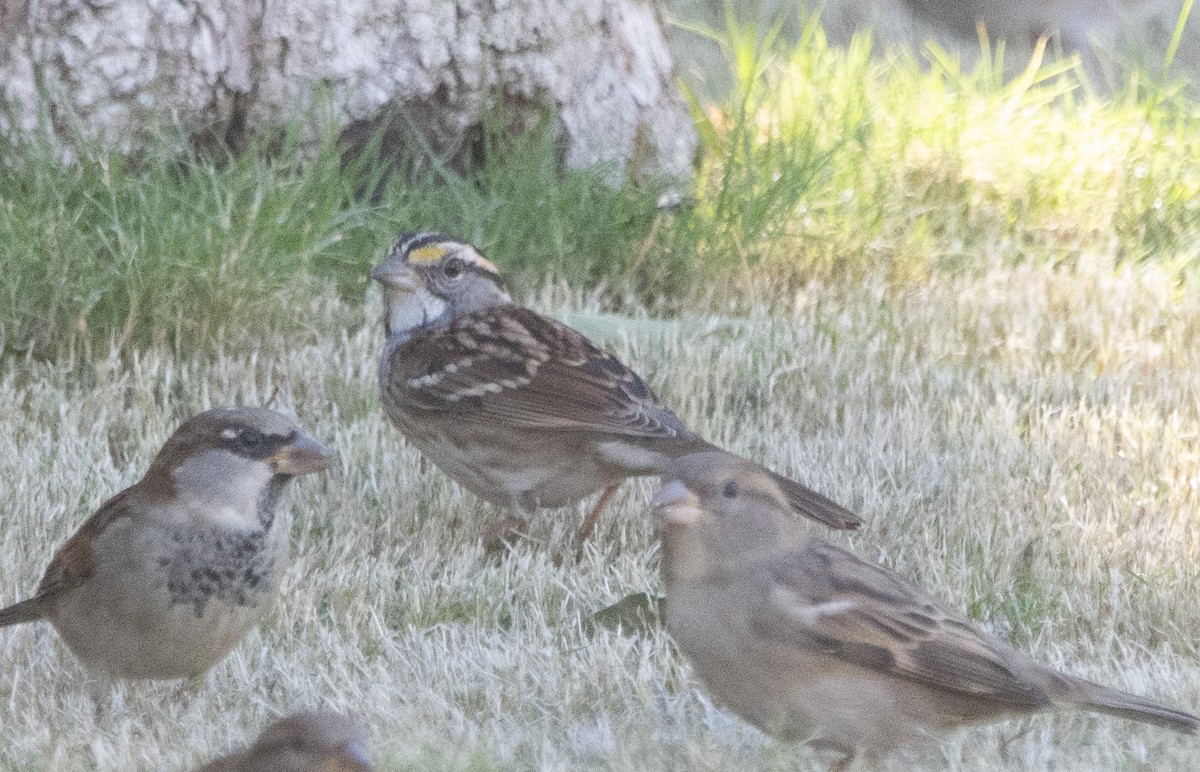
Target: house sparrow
808	642
520	409
169	574
306	742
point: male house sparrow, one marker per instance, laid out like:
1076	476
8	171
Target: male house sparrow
169	574
520	409
808	642
306	742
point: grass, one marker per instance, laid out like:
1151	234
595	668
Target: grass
1020	441
200	252
820	164
963	305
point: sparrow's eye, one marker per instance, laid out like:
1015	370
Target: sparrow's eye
250	439
453	268
731	490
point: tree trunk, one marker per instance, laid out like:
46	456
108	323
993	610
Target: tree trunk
117	71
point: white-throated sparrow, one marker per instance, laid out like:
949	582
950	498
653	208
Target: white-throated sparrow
520	409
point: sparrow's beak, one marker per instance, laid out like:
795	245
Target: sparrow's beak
395	274
676	505
302	455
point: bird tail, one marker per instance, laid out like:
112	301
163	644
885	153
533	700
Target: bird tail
809	503
804	500
25	611
1101	699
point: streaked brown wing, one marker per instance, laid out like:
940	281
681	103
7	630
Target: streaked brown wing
76	560
827	598
516	368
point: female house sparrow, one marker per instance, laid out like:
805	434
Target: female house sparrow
306	742
169	574
520	409
807	642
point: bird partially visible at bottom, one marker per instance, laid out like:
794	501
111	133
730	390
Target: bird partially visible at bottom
305	742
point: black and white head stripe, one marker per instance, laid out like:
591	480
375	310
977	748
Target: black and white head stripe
427	249
410	242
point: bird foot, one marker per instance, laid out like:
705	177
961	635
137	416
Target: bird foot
502	533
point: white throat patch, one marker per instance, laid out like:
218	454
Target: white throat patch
408	311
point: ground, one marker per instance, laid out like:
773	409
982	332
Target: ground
1021	442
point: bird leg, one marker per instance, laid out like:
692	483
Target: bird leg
589	523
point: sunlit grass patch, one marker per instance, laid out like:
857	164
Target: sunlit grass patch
828	163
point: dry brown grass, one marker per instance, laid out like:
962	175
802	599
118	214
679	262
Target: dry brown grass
1023	443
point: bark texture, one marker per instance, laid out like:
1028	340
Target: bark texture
115	71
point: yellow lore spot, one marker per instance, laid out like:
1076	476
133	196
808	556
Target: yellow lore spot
429	254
